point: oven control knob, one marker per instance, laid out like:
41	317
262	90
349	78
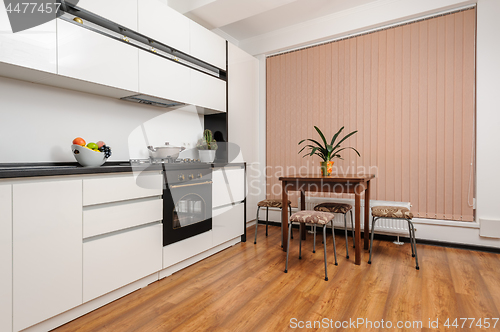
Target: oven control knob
200	176
181	177
191	176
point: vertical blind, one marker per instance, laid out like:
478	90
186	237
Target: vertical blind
410	93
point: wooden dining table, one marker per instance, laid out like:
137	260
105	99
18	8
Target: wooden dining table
356	184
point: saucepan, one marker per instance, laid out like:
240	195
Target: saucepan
163	152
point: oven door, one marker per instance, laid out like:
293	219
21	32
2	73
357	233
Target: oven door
187	210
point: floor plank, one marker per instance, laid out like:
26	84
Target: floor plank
244	288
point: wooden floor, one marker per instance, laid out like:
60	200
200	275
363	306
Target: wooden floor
244	288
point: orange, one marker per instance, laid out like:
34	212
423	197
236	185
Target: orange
79	141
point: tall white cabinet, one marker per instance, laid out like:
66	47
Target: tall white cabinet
5	257
47	249
243	117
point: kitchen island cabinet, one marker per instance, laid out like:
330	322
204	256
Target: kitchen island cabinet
5	257
47	249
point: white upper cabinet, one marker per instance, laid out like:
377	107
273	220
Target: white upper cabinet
123	12
5	257
208	91
163	78
89	56
47	249
243	102
162	23
34	48
207	46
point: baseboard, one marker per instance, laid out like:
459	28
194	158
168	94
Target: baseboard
391	238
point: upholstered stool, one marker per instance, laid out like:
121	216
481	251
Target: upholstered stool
267	203
341	208
395	212
314	218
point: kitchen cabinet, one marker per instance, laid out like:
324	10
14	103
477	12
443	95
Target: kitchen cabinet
114	188
163	78
34	48
207	91
228	185
207	46
89	56
5	257
182	250
162	23
47	249
116	260
123	12
228	223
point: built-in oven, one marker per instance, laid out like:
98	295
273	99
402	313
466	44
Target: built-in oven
187	202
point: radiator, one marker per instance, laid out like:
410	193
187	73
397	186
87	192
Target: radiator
383	226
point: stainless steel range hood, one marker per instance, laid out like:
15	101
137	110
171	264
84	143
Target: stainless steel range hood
154	101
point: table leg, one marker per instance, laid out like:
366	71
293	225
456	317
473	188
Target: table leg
284	214
357	226
367	215
302	208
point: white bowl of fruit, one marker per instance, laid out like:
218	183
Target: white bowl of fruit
91	154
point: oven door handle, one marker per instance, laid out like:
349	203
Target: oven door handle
190	185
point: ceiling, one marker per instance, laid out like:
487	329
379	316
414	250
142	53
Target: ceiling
245	19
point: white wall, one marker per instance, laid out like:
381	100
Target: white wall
38	123
385	12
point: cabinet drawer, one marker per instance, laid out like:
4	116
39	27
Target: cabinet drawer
103	219
117	260
179	251
120	188
230	191
228	223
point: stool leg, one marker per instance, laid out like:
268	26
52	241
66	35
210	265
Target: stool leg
267	218
314	242
324	249
371	241
281	216
415	246
290	209
411	238
288	246
256	224
346	241
300	241
334	246
352	229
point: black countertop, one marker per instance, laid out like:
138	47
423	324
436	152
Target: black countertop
22	170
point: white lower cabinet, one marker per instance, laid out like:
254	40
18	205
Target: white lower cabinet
228	186
5	257
228	223
47	249
116	260
182	250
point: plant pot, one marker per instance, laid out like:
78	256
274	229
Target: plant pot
207	156
326	168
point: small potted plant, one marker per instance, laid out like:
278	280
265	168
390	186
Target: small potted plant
327	151
207	147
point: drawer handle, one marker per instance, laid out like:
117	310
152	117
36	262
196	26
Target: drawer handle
190	184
